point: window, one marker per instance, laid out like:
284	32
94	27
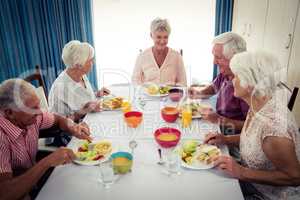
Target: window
122	29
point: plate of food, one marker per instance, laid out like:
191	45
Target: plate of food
194	106
110	103
154	90
198	156
92	153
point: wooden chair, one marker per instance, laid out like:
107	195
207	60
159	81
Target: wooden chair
37	76
47	133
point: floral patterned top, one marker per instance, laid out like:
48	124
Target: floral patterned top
274	119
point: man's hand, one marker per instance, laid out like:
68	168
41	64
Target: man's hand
81	131
60	157
194	93
103	92
197	93
209	115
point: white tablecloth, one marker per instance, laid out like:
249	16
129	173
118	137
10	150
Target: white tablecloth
147	180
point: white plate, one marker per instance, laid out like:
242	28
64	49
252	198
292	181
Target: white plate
108	97
194	116
155	95
90	163
108	109
199	165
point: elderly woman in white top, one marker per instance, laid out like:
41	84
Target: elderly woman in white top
159	64
269	142
71	93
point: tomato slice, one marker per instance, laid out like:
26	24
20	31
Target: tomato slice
80	149
98	157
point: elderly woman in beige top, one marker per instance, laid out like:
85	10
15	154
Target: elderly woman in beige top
159	64
269	141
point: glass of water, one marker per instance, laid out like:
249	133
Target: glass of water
173	162
107	176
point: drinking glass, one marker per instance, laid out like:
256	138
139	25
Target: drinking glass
173	162
186	117
107	176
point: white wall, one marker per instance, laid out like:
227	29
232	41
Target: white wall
121	28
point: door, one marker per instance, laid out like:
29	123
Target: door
249	19
279	29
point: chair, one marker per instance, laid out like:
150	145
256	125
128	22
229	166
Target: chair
37	76
293	96
46	135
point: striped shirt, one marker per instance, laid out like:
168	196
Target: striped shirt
18	147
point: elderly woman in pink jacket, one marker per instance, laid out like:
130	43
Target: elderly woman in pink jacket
159	64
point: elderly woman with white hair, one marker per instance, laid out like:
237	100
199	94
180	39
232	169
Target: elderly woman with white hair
269	142
71	94
159	64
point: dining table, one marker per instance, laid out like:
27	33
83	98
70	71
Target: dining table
147	179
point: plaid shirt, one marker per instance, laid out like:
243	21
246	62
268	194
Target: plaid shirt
18	147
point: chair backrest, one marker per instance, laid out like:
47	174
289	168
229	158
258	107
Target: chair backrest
293	98
41	94
293	95
37	76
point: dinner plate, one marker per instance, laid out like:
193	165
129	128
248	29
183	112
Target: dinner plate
198	165
90	163
193	116
155	95
107	98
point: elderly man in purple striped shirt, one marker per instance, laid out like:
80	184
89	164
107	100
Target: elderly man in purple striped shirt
230	110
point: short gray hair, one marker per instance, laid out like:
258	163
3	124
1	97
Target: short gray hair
159	24
77	53
232	44
259	69
13	92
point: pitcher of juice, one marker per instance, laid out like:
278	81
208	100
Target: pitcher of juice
186	117
126	106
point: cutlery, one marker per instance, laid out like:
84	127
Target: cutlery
160	162
132	145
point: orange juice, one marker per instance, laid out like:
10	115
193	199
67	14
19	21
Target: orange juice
167	137
133	121
126	106
186	117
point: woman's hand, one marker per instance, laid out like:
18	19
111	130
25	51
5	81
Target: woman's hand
103	92
215	139
92	106
228	165
81	131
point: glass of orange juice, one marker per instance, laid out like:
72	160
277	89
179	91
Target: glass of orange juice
186	117
133	118
126	106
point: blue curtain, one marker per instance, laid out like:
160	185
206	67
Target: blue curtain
33	32
223	21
